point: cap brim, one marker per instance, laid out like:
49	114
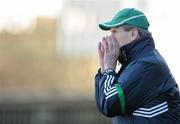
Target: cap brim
104	27
108	25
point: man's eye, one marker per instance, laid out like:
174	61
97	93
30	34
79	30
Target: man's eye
114	32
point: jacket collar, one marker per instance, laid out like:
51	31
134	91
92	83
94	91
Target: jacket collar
137	48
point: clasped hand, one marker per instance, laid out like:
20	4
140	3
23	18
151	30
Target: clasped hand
109	51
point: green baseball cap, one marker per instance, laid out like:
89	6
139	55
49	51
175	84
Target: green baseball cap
127	16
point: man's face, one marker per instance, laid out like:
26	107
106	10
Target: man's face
123	37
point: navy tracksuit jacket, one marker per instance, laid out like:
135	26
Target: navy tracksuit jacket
143	91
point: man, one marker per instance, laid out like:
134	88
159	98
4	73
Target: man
144	90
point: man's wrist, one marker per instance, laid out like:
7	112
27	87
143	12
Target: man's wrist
109	67
109	70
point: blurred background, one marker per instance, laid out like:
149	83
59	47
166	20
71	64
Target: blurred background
48	55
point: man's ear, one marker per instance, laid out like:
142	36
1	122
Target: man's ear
134	34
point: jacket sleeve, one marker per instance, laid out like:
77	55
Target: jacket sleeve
137	84
106	94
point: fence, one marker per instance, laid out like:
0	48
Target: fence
66	112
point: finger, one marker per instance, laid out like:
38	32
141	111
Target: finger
116	44
103	38
113	43
110	45
100	49
101	56
105	45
